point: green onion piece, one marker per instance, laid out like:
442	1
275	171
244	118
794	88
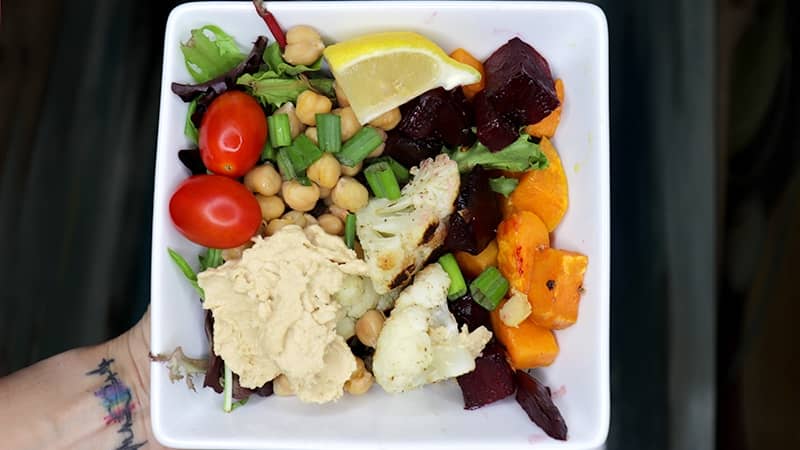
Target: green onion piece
280	132
503	185
227	404
211	258
285	165
187	271
350	231
489	288
458	287
382	181
303	152
268	153
329	132
359	146
400	171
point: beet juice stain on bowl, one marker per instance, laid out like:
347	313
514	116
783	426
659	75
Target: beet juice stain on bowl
372	187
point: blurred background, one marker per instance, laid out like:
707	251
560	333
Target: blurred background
705	150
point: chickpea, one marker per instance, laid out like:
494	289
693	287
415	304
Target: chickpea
341	213
350	124
369	326
303	45
295	125
299	197
280	386
387	120
325	171
331	224
352	171
229	254
360	381
349	194
264	180
325	194
295	218
341	98
311	133
275	225
271	206
309	104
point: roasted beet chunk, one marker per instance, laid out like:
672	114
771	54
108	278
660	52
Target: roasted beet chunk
492	379
437	114
494	131
410	152
469	313
474	223
519	83
535	399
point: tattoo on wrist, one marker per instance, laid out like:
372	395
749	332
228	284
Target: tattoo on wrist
118	402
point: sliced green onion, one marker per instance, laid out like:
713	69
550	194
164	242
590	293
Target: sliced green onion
285	165
268	153
329	132
280	132
303	152
359	146
382	181
503	185
489	288
227	392
187	271
458	287
211	258
400	171
350	231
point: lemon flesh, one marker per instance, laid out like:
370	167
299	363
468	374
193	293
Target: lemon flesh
381	71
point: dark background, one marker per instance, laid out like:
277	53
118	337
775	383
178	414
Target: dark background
705	203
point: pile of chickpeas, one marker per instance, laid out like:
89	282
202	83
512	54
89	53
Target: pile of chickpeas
288	202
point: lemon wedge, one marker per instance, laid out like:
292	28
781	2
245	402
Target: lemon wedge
381	71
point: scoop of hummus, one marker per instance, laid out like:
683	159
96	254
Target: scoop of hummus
274	313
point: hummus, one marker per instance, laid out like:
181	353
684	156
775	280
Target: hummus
274	313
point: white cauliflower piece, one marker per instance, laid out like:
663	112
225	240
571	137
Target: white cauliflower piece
420	342
356	297
399	235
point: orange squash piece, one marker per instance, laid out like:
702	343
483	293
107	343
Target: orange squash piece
519	237
547	126
543	192
528	345
474	265
464	57
556	286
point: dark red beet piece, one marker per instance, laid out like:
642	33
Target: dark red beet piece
437	114
469	313
474	223
537	402
494	131
409	152
492	379
519	83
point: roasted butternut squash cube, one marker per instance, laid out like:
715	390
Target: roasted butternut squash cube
556	285
528	345
519	237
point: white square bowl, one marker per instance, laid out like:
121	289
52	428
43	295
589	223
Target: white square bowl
574	39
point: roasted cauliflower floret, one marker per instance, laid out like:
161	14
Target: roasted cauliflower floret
420	342
399	235
356	297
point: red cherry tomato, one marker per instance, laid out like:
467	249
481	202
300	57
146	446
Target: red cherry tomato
215	211
232	134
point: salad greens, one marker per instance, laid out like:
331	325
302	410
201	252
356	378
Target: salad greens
211	258
189	129
519	156
503	185
273	58
210	52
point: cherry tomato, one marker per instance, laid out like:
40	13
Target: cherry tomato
232	134
215	211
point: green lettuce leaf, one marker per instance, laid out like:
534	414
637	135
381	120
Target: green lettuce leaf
271	88
188	128
503	185
210	52
519	156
